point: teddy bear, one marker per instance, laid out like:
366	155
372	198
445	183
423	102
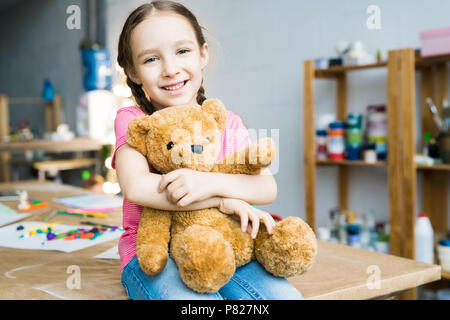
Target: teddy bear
208	245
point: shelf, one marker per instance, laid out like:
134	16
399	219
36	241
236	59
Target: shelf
428	61
77	144
420	62
359	163
337	70
442	167
445	275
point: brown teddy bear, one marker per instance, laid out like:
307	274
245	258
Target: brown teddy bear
207	245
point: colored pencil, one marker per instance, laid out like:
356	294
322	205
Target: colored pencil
82	214
100	210
35	206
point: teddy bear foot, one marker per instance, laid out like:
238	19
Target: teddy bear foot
152	258
289	251
204	258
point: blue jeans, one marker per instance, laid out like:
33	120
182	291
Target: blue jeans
249	282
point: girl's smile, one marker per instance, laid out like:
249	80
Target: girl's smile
175	88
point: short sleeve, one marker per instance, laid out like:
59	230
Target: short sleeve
235	137
123	118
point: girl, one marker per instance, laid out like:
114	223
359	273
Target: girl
162	51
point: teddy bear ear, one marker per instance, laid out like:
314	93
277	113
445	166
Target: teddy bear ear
137	131
216	108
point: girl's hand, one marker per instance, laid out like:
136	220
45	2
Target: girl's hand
247	212
185	186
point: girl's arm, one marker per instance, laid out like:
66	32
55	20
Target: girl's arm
186	186
140	186
254	189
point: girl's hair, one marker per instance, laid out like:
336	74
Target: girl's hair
125	58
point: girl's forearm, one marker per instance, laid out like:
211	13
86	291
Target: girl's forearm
144	192
254	189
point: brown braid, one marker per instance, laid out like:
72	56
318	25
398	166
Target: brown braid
201	95
140	97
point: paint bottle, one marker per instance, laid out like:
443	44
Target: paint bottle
336	141
321	144
368	233
354	239
377	129
343	228
333	224
426	143
424	237
446	115
353	136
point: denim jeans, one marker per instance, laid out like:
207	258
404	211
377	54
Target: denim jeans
249	282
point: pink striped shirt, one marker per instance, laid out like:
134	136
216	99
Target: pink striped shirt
233	138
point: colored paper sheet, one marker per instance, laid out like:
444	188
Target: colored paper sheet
112	254
8	215
10	237
91	201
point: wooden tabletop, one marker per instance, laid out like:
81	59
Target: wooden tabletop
339	272
76	144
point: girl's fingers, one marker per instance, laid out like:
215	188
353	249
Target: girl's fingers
166	179
244	220
174	185
267	223
178	194
255	224
186	200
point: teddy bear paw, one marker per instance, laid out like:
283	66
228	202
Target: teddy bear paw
263	153
152	258
204	258
290	250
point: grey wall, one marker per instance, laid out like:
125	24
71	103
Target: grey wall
36	44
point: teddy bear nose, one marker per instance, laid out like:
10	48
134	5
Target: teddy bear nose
196	148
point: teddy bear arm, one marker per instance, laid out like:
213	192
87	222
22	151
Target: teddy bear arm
249	160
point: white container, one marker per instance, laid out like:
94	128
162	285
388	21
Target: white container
444	257
424	239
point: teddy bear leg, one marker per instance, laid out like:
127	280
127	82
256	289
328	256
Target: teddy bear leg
204	258
152	242
289	251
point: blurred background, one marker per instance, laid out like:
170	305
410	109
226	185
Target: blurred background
59	76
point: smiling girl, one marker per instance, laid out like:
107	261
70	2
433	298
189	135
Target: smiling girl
163	52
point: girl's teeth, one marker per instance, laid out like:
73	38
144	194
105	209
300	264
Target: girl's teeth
175	87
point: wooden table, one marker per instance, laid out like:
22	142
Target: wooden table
340	272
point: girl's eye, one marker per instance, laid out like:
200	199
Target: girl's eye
182	51
152	59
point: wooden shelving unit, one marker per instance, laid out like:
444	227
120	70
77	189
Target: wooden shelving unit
53	119
402	66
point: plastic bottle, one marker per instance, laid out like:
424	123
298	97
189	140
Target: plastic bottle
343	229
336	141
446	114
424	239
426	143
321	145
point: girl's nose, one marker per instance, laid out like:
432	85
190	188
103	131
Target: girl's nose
170	67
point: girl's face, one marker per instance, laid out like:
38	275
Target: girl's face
167	59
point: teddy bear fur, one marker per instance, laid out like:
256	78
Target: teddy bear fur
207	245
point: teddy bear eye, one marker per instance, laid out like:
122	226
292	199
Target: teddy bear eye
169	145
208	138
